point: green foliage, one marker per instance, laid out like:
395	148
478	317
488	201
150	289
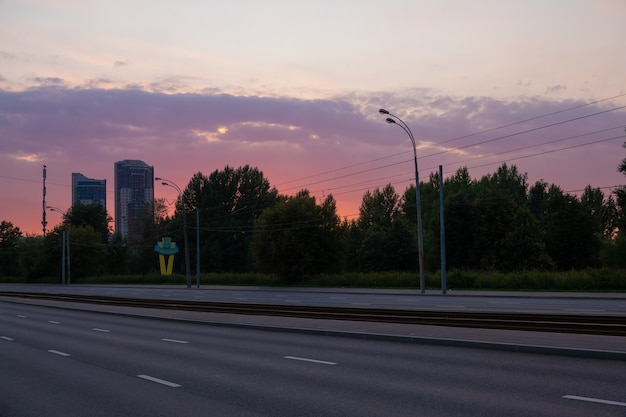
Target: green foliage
36	262
229	202
87	253
9	249
92	215
496	224
384	240
297	238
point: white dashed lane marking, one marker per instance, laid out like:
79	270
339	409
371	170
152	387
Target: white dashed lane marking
56	352
159	381
175	341
296	358
595	400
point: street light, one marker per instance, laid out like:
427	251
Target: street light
393	119
65	245
182	201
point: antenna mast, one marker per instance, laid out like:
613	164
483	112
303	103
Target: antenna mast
43	213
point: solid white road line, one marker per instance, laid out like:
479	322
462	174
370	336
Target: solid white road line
95	329
54	322
175	341
295	358
594	400
6	338
22	316
159	381
56	352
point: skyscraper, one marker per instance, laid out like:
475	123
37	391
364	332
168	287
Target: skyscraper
88	190
134	197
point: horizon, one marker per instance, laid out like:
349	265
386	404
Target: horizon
294	91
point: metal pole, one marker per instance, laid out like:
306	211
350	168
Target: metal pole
442	233
68	254
186	242
197	248
63	238
420	235
185	233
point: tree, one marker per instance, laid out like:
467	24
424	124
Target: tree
620	195
87	253
152	229
617	252
570	238
229	202
460	192
297	238
94	215
603	214
10	237
523	247
386	239
37	258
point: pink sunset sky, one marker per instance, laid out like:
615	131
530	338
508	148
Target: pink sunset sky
293	88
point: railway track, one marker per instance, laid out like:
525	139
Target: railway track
561	323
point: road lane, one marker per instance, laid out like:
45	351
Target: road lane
36	383
243	372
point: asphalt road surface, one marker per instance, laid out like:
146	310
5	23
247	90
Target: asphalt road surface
57	362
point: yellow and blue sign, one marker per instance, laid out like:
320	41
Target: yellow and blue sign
166	248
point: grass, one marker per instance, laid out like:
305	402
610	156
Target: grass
603	279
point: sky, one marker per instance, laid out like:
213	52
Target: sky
293	88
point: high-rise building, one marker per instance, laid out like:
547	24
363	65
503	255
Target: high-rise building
88	190
134	197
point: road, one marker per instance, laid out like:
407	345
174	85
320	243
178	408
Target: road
402	299
58	362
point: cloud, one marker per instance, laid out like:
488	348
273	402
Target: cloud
47	80
556	88
7	55
120	63
339	145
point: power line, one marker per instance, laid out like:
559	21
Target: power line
458	138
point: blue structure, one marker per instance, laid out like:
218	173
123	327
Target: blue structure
134	197
88	190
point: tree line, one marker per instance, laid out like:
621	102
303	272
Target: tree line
499	222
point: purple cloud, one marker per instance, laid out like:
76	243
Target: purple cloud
341	146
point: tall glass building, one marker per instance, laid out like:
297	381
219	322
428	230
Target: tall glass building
134	197
88	190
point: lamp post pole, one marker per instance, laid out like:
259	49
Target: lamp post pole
182	202
393	119
65	247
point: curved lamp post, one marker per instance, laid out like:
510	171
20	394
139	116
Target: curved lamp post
393	119
65	245
182	201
